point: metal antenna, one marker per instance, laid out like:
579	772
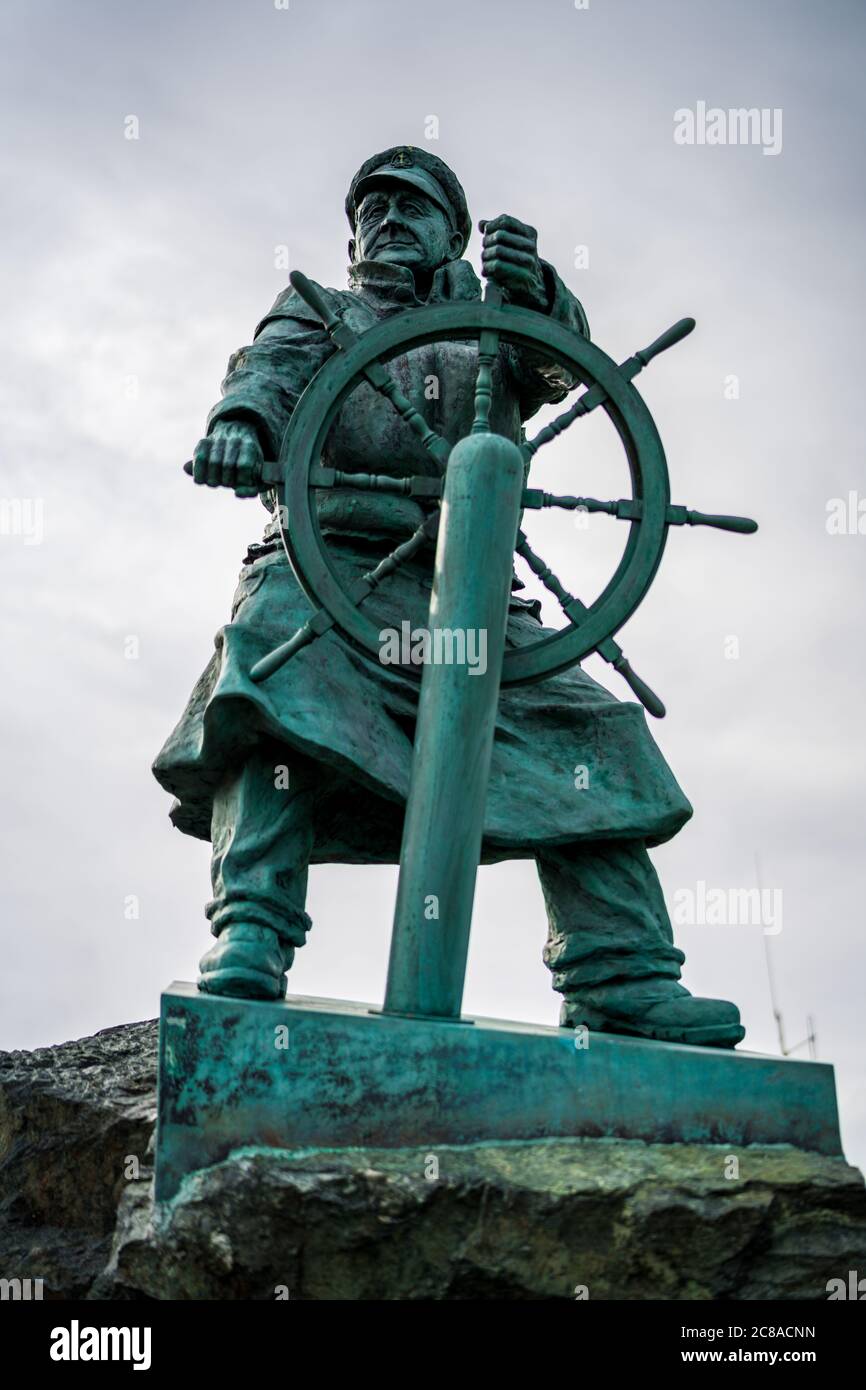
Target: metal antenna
811	1039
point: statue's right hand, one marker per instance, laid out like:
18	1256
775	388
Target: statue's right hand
230	456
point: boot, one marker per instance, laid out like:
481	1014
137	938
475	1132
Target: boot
247	962
660	1009
611	951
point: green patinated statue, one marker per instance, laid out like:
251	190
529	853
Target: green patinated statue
313	764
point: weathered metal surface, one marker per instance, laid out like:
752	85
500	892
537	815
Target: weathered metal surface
340	384
320	406
321	1072
445	810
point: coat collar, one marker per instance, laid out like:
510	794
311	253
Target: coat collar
394	284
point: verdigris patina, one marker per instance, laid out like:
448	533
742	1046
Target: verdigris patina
313	764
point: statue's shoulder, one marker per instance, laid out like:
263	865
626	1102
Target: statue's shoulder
289	307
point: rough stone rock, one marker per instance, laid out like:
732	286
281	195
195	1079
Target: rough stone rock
71	1120
624	1219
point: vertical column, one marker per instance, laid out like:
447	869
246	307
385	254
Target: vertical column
456	721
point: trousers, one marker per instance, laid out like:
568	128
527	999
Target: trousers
607	923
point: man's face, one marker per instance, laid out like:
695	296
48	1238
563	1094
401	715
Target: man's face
402	226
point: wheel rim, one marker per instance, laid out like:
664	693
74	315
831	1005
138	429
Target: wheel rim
624	406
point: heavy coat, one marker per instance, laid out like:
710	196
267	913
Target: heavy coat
331	704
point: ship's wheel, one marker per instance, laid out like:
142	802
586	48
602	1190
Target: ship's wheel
648	512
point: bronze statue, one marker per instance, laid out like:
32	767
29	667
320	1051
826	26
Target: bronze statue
312	765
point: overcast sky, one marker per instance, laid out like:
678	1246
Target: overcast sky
133	267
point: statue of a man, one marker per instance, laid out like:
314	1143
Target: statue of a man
312	765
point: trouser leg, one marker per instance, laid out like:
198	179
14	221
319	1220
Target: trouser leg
262	836
611	952
262	832
607	920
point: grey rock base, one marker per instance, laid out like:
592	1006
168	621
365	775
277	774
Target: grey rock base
545	1219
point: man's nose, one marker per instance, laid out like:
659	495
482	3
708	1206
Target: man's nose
393	216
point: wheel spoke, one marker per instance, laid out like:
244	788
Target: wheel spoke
626	508
613	653
681	516
364	586
345	337
488	349
417	486
631	509
542	571
595	395
562	422
322	621
434	443
575	610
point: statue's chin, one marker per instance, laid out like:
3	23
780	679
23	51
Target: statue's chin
399	255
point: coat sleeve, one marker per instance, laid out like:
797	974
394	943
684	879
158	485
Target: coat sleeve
537	379
264	381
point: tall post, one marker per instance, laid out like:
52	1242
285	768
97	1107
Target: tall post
456	722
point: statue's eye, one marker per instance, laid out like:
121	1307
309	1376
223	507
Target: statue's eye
371	210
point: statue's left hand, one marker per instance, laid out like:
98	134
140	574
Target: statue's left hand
509	257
